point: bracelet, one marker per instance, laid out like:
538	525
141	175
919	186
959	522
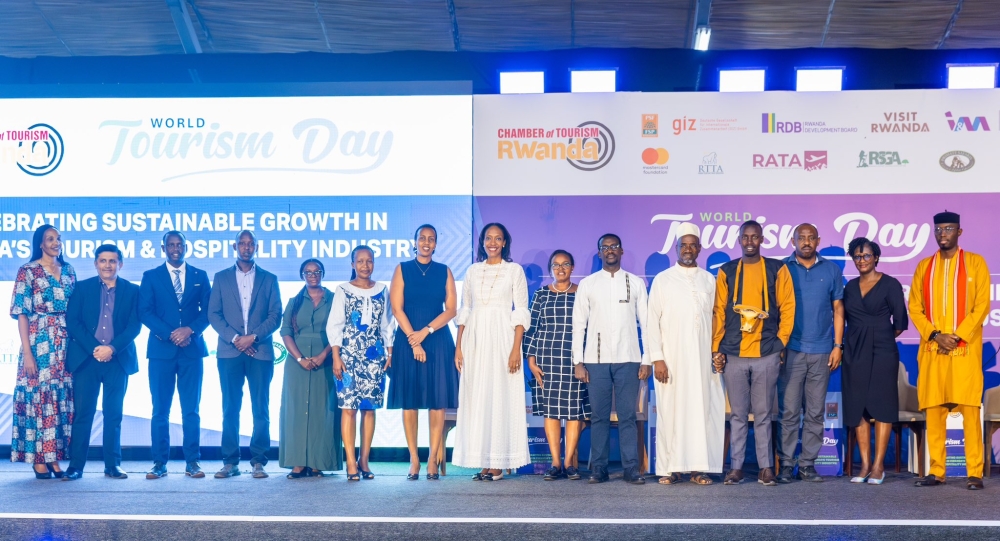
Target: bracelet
933	335
430	330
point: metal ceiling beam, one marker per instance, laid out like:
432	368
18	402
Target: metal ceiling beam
322	25
826	28
702	12
185	30
951	25
51	27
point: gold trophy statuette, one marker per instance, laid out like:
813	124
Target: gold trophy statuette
750	314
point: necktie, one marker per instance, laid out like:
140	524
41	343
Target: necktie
177	285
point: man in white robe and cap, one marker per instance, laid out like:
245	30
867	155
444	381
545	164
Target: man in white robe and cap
690	400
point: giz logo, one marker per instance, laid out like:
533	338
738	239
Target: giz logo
650	125
684	124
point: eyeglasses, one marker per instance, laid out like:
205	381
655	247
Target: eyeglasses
863	257
949	229
566	265
312	274
606	248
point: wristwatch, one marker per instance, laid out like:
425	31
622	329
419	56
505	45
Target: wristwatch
933	336
430	330
841	346
300	359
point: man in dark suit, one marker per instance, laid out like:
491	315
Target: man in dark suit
173	303
103	322
245	309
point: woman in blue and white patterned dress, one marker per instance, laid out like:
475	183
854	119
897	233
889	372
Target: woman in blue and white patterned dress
360	331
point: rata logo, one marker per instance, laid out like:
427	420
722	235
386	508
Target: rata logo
957	161
811	160
964	123
589	147
39	148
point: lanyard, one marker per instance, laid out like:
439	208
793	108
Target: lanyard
737	283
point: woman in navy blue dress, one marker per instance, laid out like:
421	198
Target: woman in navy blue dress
422	373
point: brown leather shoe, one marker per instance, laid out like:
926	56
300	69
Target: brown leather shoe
766	477
974	483
734	477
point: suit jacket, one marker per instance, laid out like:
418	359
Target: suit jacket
83	313
225	312
160	311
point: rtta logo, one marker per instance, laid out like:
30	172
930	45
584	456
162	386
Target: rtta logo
876	158
710	165
40	149
651	125
814	160
957	161
964	123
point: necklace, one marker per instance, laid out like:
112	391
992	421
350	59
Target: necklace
482	283
561	290
422	271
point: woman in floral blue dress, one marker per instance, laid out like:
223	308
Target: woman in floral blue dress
360	327
43	392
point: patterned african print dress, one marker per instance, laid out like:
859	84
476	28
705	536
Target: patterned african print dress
43	404
361	324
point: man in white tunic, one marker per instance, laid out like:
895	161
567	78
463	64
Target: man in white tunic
690	400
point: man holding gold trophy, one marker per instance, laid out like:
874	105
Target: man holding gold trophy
752	323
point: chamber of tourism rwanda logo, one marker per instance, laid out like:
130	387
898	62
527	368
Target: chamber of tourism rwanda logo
587	147
38	150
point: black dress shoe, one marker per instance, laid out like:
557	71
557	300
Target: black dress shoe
808	473
159	470
193	470
929	481
784	475
116	473
72	474
598	476
633	477
974	483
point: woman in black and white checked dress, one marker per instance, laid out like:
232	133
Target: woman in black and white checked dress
548	344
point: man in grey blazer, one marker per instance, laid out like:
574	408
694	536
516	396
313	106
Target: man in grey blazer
245	309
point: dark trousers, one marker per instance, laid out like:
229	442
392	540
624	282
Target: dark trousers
87	381
620	380
802	383
186	374
232	373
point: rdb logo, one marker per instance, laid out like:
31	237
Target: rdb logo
770	124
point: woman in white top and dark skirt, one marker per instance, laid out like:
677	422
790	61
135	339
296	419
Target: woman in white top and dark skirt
490	431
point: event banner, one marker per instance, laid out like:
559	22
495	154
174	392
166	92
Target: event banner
312	177
561	170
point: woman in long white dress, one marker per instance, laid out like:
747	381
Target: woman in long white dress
491	432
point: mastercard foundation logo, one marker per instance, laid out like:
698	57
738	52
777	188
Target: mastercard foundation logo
655	156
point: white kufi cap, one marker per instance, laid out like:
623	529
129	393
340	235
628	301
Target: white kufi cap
688	228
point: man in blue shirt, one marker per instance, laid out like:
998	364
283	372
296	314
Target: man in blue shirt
814	350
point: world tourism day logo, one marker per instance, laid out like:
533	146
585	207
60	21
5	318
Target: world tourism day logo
39	149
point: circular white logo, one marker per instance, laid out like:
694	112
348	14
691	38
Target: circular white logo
41	150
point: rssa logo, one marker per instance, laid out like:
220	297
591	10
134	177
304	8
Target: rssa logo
811	160
587	147
38	150
964	123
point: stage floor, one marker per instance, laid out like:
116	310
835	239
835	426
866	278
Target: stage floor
525	507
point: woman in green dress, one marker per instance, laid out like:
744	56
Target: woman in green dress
309	433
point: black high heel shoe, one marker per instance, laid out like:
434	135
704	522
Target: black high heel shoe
56	474
46	475
304	472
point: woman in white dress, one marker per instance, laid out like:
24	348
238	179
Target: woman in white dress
491	432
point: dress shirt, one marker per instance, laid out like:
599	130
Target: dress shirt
606	310
183	276
105	323
244	281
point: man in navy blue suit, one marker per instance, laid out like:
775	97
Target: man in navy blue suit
173	304
103	322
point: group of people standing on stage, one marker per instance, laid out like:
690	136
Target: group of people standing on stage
764	333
